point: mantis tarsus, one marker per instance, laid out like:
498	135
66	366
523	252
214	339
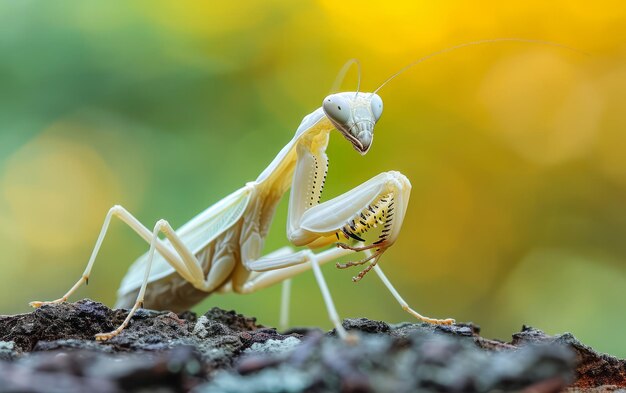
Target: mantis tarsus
220	250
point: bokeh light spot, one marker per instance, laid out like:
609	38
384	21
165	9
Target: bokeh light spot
542	106
55	189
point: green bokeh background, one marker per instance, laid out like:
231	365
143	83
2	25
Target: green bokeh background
516	151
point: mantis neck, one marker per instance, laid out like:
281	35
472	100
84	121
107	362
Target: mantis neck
312	134
309	176
301	165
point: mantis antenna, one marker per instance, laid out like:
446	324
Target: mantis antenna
480	42
342	74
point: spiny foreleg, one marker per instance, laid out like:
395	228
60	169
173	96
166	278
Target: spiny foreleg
380	213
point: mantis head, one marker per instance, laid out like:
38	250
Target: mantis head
354	115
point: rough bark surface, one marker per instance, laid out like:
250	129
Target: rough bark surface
52	349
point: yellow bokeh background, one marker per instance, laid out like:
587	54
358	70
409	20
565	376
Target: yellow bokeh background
516	151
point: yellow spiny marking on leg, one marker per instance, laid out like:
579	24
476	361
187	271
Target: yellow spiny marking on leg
373	215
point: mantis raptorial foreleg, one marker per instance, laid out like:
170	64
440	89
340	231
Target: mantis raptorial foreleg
310	223
381	200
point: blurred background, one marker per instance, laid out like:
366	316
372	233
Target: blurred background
516	151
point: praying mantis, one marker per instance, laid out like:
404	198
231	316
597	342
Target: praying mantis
221	249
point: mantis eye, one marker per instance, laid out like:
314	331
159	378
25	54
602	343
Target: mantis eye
377	106
337	108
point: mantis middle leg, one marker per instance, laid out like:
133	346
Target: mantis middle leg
272	277
300	261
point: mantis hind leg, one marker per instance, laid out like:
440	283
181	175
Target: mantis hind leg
161	226
141	230
176	254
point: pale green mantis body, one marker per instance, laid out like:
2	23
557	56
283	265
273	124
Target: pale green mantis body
220	250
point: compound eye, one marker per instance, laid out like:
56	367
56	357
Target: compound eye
377	106
337	108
